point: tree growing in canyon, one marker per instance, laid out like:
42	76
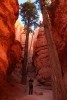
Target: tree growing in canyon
29	16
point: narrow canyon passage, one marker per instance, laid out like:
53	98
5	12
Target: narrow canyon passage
38	65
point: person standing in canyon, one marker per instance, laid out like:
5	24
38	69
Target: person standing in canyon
30	86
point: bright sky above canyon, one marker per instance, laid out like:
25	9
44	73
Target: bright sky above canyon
22	1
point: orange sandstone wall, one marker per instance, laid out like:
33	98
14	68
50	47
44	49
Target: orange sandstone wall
59	28
8	16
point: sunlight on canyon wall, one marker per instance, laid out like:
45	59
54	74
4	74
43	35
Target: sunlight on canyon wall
9	10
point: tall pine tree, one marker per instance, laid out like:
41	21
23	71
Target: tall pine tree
29	16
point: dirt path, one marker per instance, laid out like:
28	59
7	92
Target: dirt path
15	91
40	93
35	97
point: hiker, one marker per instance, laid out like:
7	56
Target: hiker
31	86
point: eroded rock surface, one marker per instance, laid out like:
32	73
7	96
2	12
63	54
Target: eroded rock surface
41	58
59	25
59	28
8	15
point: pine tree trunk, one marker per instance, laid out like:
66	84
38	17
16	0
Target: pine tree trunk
59	91
24	67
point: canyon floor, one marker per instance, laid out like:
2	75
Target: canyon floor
16	91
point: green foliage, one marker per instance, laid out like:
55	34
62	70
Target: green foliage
29	14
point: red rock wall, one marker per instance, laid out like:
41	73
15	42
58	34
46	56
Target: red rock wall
41	58
59	28
8	16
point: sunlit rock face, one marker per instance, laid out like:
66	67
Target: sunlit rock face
41	59
19	30
8	16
